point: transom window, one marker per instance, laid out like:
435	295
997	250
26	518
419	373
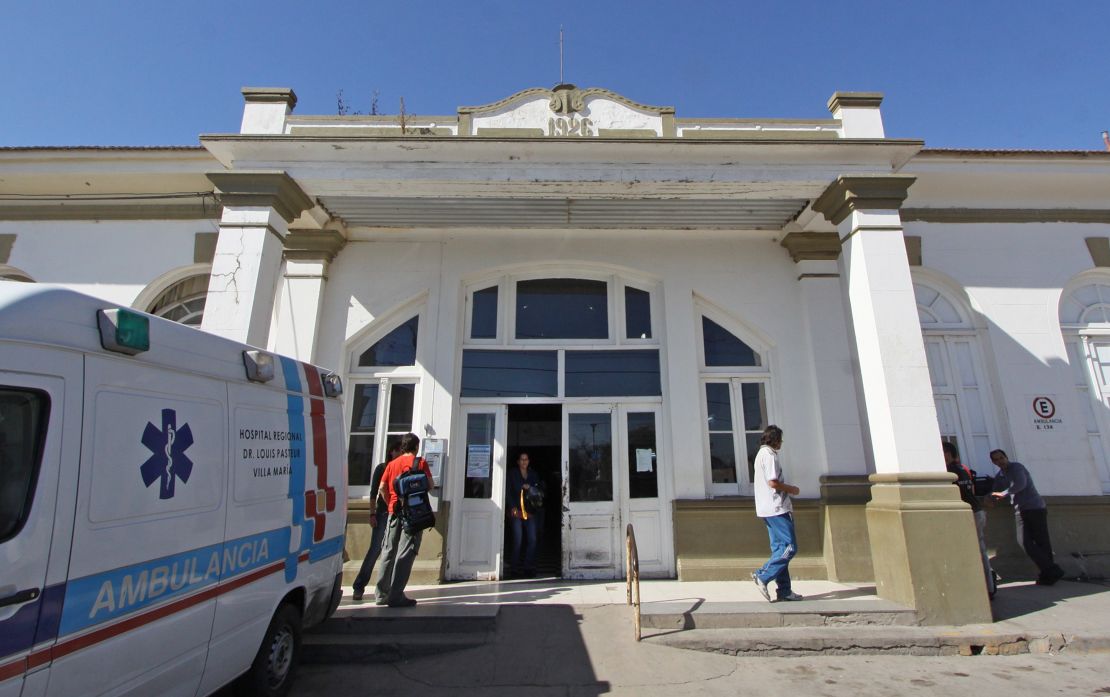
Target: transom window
397	348
1085	306
601	310
735	384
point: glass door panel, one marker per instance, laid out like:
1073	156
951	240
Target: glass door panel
592	531
591	456
476	549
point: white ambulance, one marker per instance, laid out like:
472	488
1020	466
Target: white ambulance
172	504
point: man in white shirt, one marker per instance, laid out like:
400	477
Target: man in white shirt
772	504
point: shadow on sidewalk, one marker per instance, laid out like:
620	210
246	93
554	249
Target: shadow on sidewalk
1022	598
538	649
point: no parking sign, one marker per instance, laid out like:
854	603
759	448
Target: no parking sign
1044	413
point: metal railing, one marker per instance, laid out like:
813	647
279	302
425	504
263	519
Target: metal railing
632	570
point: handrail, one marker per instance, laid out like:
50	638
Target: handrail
632	567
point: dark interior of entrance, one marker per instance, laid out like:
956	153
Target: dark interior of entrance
537	429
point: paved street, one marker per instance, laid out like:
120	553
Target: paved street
547	648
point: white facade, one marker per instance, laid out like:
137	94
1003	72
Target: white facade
361	224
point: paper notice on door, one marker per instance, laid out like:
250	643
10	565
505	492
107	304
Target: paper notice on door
644	460
477	461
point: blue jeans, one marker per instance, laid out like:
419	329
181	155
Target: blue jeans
523	531
784	545
376	538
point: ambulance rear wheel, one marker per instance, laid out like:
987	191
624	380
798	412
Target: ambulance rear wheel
273	669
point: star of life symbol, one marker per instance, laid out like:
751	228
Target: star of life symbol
169	461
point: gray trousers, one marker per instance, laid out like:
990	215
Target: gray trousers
398	554
981	532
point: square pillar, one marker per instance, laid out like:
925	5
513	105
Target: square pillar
845	490
913	502
257	209
308	253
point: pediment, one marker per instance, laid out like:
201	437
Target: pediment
565	110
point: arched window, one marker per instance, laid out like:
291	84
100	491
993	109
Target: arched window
961	394
383	383
1085	322
183	301
397	348
735	381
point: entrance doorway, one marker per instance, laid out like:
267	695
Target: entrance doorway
602	467
536	429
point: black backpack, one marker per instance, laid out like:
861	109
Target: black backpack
412	494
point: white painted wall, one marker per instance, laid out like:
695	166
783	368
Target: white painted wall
1013	275
748	274
110	259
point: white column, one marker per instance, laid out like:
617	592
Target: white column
258	207
913	501
244	274
893	372
834	379
308	255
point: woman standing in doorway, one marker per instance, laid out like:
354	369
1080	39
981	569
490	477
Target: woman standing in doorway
522	522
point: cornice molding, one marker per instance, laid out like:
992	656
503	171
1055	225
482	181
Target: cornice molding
565	99
848	194
262	188
812	246
274	95
313	245
856	100
1007	215
204	209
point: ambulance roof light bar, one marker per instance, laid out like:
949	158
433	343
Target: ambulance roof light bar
123	330
259	365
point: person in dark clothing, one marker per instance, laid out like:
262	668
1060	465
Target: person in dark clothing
379	517
1030	514
965	480
523	521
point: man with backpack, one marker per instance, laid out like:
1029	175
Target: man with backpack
402	542
379	519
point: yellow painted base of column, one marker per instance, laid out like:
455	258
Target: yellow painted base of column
924	549
847	546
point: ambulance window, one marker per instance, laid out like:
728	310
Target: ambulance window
397	348
23	418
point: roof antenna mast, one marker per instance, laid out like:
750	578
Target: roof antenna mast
560	54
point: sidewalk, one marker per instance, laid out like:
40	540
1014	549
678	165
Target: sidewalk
835	618
559	638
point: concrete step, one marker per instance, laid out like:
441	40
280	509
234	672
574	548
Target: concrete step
875	640
322	648
366	633
689	615
366	618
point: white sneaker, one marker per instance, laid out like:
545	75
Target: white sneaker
791	596
762	587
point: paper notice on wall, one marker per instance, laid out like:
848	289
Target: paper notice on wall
477	461
644	460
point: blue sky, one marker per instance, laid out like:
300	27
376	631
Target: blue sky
977	73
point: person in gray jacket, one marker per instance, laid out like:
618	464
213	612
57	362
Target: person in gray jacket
1031	515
